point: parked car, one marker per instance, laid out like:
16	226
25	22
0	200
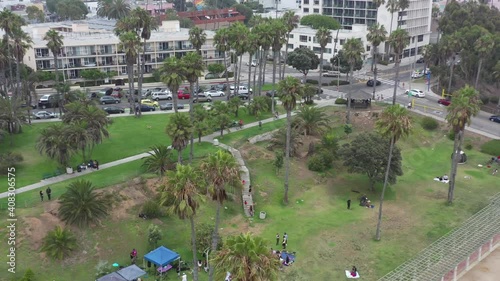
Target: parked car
495	118
421	60
240	95
145	108
214	93
183	95
117	94
241	90
161	96
202	98
415	93
212	76
331	74
170	106
47	101
219	87
444	102
254	63
369	83
417	74
44	115
114	109
106	92
149	102
108	100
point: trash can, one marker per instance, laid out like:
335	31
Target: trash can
262	215
69	170
216	142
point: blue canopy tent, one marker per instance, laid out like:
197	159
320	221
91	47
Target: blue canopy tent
161	256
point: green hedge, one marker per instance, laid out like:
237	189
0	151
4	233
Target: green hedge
312	81
429	123
340	101
492	148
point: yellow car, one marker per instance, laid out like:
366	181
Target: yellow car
150	102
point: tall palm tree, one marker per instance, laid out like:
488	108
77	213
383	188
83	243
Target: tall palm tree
392	7
81	205
291	22
247	258
265	35
197	37
55	45
395	122
113	9
52	143
220	170
158	160
376	35
279	30
194	66
353	48
59	243
483	45
289	92
402	5
146	23
182	188
398	40
12	117
10	22
221	42
252	48
238	35
130	44
179	129
21	42
312	120
465	105
323	37
173	74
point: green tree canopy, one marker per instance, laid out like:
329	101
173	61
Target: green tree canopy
216	68
320	21
303	59
344	63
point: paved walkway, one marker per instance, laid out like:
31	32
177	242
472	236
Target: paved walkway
487	270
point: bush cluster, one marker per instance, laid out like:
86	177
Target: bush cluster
320	162
491	148
9	159
152	209
429	123
312	81
340	101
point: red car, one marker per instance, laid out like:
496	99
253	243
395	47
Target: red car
444	102
183	95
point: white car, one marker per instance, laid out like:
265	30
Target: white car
415	93
214	93
417	74
44	115
254	63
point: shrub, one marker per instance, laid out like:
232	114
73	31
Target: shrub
492	147
327	67
319	162
9	159
451	135
484	99
341	82
340	101
152	209
429	123
468	146
312	81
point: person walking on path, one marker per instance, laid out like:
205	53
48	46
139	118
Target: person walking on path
41	195
277	239
349	204
96	164
49	192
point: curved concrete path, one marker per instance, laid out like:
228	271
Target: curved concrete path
486	270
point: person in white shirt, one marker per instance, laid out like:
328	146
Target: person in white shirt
184	277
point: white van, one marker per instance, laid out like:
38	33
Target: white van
241	90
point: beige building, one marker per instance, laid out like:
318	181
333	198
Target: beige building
89	45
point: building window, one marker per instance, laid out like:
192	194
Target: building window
316	2
317	50
303	38
342	41
290	36
306	2
316	11
420	38
290	46
303	46
368	48
306	10
309	38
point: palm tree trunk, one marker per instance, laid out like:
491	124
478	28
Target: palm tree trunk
264	60
18	77
227	75
274	80
195	253
191	116
250	71
374	68
179	156
9	52
131	87
454	164
348	114
390	32
280	65
448	91
386	179
320	71
287	152
57	84
478	73
235	71
260	72
286	55
141	77
239	70
215	239
396	81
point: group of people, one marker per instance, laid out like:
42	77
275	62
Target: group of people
365	202
202	264
283	261
285	240
249	206
48	191
93	164
443	178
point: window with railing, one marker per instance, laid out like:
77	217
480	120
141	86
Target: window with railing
327	3
327	11
316	2
42	52
360	4
315	11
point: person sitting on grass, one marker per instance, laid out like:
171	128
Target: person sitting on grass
445	177
354	271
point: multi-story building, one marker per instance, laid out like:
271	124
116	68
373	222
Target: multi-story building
416	19
88	45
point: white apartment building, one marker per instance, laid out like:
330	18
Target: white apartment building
416	19
88	46
304	36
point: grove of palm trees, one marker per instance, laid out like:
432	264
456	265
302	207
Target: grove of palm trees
180	187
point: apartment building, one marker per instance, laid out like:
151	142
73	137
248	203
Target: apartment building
416	19
88	45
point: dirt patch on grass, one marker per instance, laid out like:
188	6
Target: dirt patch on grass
36	228
240	224
251	152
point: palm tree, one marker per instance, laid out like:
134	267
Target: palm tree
483	45
398	40
238	34
323	37
353	48
279	30
313	120
113	9
9	22
173	74
59	243
179	129
221	41
291	22
55	45
247	258
197	37
182	188
402	5
265	35
220	170
12	117
376	35
465	105
289	92
21	42
252	48
129	44
146	23
392	7
52	143
158	160
194	66
394	122
81	205
451	45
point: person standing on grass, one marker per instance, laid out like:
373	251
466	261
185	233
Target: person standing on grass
349	204
285	236
277	239
49	192
284	243
41	195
